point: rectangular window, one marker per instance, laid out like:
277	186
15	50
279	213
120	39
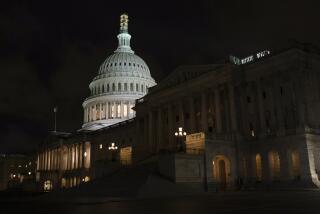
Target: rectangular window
125	110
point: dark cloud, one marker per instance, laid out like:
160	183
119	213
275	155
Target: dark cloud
50	51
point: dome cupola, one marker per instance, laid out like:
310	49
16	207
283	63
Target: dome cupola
122	78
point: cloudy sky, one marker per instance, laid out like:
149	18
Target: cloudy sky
51	50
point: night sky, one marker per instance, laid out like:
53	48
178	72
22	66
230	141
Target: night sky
51	50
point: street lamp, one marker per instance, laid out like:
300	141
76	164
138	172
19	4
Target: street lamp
180	134
112	148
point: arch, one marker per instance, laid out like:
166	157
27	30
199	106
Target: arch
295	164
108	87
142	88
137	87
222	171
47	186
102	88
274	165
63	183
258	167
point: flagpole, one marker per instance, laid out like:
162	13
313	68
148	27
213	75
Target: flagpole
55	109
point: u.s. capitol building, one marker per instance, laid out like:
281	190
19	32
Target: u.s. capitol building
252	121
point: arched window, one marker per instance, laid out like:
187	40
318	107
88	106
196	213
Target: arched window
274	164
47	186
102	88
86	179
142	88
108	88
119	87
113	87
137	87
258	167
126	87
131	86
98	89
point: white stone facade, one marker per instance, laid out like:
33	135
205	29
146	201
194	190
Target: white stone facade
123	77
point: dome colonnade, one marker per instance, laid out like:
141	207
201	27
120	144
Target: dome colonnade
122	78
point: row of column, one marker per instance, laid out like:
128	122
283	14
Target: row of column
210	101
109	110
74	156
49	160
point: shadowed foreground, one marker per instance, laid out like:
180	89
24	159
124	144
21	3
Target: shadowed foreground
231	202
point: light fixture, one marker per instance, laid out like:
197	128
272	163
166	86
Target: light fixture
29	173
213	162
180	132
113	147
85	154
100	146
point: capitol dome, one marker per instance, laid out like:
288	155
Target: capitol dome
122	78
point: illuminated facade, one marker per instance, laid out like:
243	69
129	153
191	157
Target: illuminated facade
123	77
250	122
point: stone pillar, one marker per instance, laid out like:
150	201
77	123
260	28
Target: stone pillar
217	110
192	115
128	110
150	132
261	110
233	116
170	128
226	101
106	110
122	109
278	103
73	157
49	160
204	112
181	114
159	129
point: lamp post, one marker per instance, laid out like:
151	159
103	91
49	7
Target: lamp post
112	148
180	134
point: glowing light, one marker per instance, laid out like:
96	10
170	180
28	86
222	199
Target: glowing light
100	146
113	147
29	173
85	154
180	132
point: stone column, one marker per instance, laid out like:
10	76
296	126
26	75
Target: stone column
128	110
106	110
160	129
192	115
278	103
261	110
204	111
217	110
122	109
150	132
233	116
170	127
181	114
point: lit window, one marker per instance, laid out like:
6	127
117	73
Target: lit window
119	110
125	111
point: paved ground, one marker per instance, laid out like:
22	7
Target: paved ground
230	202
